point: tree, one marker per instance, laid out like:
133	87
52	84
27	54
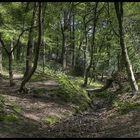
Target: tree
92	45
1	58
125	58
9	54
30	44
37	49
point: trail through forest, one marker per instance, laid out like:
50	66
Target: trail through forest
69	69
102	122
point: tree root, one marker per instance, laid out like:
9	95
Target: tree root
24	90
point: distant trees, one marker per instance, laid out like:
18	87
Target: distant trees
82	38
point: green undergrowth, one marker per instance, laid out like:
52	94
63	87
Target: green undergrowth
51	120
125	107
7	113
122	106
68	91
16	66
138	83
80	81
107	95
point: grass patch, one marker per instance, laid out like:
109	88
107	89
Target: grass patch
9	118
51	120
7	114
125	107
80	80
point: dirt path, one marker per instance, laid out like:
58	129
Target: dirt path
34	109
91	123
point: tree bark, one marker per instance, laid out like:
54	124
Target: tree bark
30	45
73	37
92	45
11	48
1	70
18	52
125	57
43	40
64	29
10	69
37	49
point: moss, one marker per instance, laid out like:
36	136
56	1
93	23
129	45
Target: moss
9	118
69	91
51	119
96	85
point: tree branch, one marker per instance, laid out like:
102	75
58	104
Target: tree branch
20	37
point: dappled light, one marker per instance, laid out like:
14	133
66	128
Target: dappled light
69	70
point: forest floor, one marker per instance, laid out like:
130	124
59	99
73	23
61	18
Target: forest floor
35	111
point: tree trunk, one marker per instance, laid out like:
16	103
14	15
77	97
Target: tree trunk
10	69
85	47
63	48
11	47
73	38
126	60
92	45
30	45
1	70
43	39
37	49
18	52
64	29
43	49
44	56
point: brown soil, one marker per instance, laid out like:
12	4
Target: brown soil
100	123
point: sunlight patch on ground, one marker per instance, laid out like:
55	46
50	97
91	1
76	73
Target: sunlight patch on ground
36	110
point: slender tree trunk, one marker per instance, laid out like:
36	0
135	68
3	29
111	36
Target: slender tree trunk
37	49
92	45
85	47
63	48
57	50
44	49
73	38
11	58
44	56
65	41
10	69
30	45
119	13
1	70
43	39
64	29
18	52
11	47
